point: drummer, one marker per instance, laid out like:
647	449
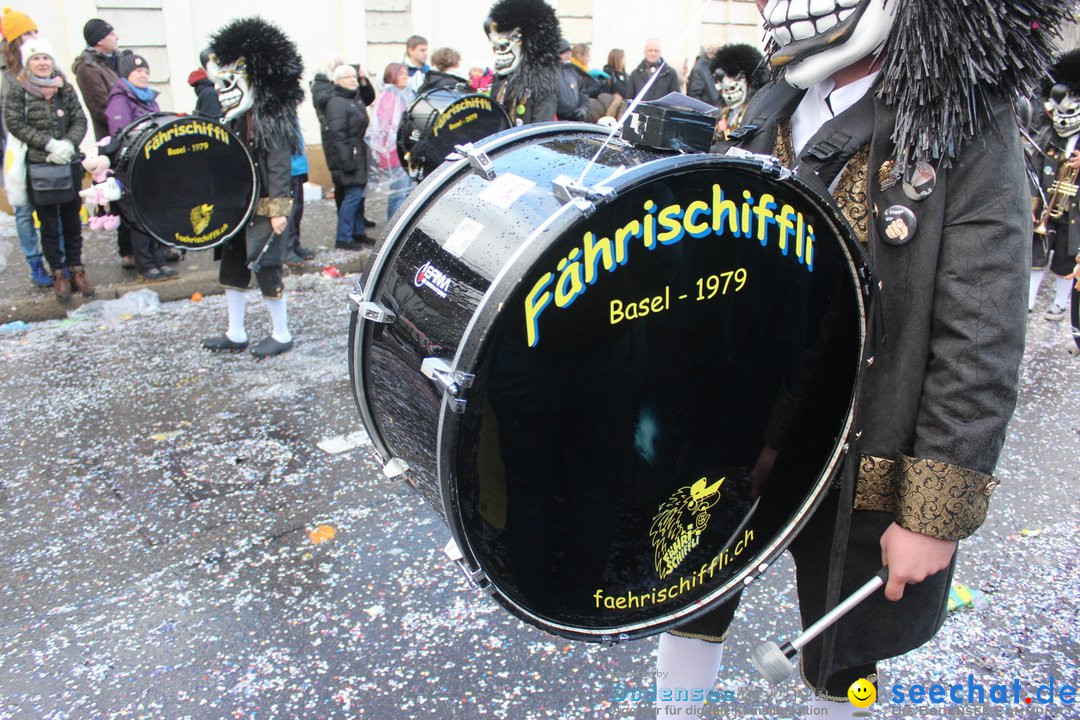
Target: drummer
937	392
447	73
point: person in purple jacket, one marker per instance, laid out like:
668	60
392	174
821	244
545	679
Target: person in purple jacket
130	99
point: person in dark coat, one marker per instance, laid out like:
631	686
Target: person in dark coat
206	99
617	81
939	371
346	154
525	36
130	99
667	81
573	103
592	84
701	85
257	71
446	74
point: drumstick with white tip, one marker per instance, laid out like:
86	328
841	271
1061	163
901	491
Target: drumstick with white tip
774	661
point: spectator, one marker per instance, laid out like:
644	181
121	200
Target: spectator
207	103
591	82
130	99
382	138
573	104
346	154
43	111
480	79
96	71
617	81
322	87
416	56
701	85
667	80
18	28
294	251
447	72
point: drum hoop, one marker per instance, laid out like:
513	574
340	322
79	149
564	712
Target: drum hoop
127	152
470	348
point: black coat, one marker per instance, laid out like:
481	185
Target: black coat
322	89
438	80
701	85
668	82
617	81
573	104
346	121
1047	165
207	103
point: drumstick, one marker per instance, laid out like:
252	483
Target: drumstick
774	661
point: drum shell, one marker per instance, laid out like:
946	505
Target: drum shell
458	116
455	325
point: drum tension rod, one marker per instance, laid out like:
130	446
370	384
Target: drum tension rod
453	382
371	311
477	159
477	578
567	190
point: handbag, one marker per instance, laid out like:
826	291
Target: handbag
15	171
51	184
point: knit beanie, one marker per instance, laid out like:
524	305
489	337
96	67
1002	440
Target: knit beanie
36	46
129	62
95	30
342	70
16	24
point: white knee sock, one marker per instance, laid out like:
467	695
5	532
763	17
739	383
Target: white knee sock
818	709
235	300
279	319
1063	290
1033	287
686	664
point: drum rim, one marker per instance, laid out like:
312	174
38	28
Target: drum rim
176	117
470	349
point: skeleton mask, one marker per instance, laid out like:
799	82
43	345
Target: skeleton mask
506	46
233	88
732	90
1064	109
816	38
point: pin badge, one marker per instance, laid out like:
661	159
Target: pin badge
1048	170
887	177
59	112
897	225
920	181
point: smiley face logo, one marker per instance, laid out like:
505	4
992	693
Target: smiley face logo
862	693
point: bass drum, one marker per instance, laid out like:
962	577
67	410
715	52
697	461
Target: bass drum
188	181
581	378
439	120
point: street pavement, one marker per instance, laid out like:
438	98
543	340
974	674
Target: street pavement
176	543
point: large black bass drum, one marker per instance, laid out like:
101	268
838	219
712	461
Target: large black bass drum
441	119
188	181
580	365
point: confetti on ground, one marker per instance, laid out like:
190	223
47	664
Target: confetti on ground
322	534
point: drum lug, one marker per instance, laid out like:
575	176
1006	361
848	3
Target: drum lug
567	190
395	468
373	312
770	165
452	382
478	160
477	578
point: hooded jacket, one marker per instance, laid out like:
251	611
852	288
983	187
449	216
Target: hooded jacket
96	74
207	103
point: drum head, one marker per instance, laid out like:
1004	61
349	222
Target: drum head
190	181
611	470
442	119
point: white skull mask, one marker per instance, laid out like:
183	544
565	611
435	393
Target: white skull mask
732	90
816	38
1065	111
507	48
233	88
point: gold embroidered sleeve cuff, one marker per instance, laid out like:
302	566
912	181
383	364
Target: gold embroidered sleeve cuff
941	500
273	207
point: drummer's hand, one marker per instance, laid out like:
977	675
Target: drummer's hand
762	470
277	224
912	557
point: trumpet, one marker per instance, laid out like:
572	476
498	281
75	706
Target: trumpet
1062	191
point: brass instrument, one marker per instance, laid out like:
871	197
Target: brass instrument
1062	191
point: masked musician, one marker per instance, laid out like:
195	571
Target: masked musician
257	72
1057	161
920	151
525	37
739	71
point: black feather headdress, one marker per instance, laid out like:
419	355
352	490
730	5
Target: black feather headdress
1066	70
274	68
946	62
537	75
742	59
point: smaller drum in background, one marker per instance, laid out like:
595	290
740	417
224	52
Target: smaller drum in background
188	181
439	120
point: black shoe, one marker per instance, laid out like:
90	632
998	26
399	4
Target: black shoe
168	272
304	252
369	223
361	239
173	255
127	262
154	275
348	245
269	347
222	343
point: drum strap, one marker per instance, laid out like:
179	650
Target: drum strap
828	151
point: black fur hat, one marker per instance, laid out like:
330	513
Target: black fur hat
1065	71
274	68
742	59
537	75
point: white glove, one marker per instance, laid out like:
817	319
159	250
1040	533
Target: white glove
62	150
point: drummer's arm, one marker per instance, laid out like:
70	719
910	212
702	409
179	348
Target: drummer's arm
978	318
279	186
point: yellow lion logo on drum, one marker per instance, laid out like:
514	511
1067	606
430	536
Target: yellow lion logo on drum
679	524
200	217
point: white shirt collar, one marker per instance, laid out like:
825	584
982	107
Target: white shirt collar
822	103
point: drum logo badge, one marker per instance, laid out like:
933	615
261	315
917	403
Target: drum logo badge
432	278
681	521
200	217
